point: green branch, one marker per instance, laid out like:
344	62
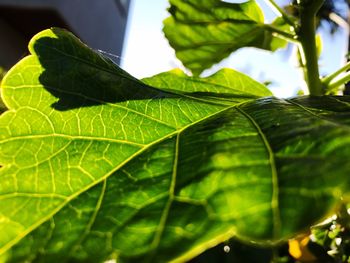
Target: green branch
306	33
341	81
329	78
280	12
282	34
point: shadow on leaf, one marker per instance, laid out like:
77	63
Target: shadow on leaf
80	77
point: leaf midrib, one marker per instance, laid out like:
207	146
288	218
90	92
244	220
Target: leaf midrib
70	137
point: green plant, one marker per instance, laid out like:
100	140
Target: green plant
98	165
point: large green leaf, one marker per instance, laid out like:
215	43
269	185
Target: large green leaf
205	32
74	120
98	165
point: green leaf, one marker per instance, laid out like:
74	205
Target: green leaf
99	165
75	119
279	25
203	34
225	85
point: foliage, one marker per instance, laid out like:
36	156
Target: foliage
204	34
98	165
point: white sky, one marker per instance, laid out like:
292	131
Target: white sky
147	52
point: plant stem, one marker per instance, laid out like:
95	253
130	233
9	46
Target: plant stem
338	82
285	35
307	32
275	7
332	76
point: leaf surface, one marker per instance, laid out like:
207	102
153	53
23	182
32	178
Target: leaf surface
99	165
203	34
226	85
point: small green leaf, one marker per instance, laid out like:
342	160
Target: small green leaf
98	165
280	25
203	34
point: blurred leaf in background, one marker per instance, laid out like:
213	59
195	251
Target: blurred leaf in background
204	34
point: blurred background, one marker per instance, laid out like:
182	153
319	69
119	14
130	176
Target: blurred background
147	52
100	24
130	33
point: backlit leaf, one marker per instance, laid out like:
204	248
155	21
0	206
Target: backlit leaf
98	165
204	33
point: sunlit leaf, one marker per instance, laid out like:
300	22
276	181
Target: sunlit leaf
98	165
205	32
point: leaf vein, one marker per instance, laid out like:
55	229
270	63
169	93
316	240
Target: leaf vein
275	184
